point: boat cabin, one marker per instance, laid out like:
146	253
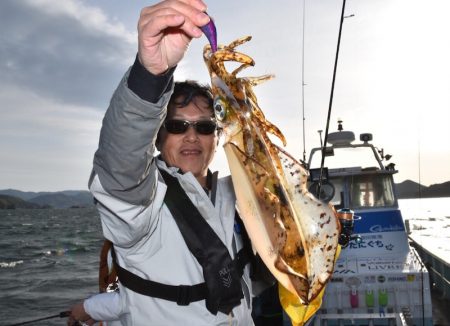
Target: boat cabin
378	278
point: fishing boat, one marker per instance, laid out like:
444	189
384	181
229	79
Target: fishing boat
379	279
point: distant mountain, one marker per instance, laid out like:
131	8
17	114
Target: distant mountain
56	200
59	199
411	189
438	190
408	189
25	195
10	202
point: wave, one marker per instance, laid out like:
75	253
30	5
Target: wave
11	264
65	251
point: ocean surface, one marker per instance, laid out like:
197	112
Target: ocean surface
48	262
49	257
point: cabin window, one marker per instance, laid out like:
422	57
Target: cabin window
338	200
371	191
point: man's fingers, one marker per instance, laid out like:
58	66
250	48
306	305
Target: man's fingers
155	26
165	30
185	7
172	13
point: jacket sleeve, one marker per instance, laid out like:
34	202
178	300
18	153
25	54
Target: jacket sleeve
123	161
124	176
103	306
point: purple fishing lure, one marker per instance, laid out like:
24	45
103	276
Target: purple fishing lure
211	34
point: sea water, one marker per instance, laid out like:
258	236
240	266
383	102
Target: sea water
49	257
48	262
424	208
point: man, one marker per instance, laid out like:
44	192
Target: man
164	241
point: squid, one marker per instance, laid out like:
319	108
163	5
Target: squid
294	233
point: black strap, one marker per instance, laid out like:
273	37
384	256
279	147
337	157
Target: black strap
181	294
213	186
221	276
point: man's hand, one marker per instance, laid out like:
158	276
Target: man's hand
78	314
165	31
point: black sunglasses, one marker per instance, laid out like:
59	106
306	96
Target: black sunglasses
203	127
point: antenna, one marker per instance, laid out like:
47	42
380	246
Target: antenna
418	158
303	82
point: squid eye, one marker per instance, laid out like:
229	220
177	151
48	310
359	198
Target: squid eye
219	109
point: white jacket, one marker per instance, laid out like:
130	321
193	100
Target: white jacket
146	238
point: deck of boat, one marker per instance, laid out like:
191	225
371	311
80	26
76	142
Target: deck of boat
431	239
441	309
430	236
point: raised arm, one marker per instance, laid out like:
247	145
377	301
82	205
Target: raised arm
138	106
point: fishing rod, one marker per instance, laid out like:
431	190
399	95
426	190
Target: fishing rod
63	314
330	103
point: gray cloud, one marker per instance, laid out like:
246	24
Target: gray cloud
62	50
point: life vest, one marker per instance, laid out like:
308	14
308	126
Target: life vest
222	274
222	290
183	295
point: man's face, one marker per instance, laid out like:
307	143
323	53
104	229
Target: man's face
190	151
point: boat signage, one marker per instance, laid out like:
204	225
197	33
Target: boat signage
379	221
381	232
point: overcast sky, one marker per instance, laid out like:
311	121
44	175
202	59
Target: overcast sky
60	61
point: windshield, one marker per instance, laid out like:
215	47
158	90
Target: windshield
372	190
362	191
